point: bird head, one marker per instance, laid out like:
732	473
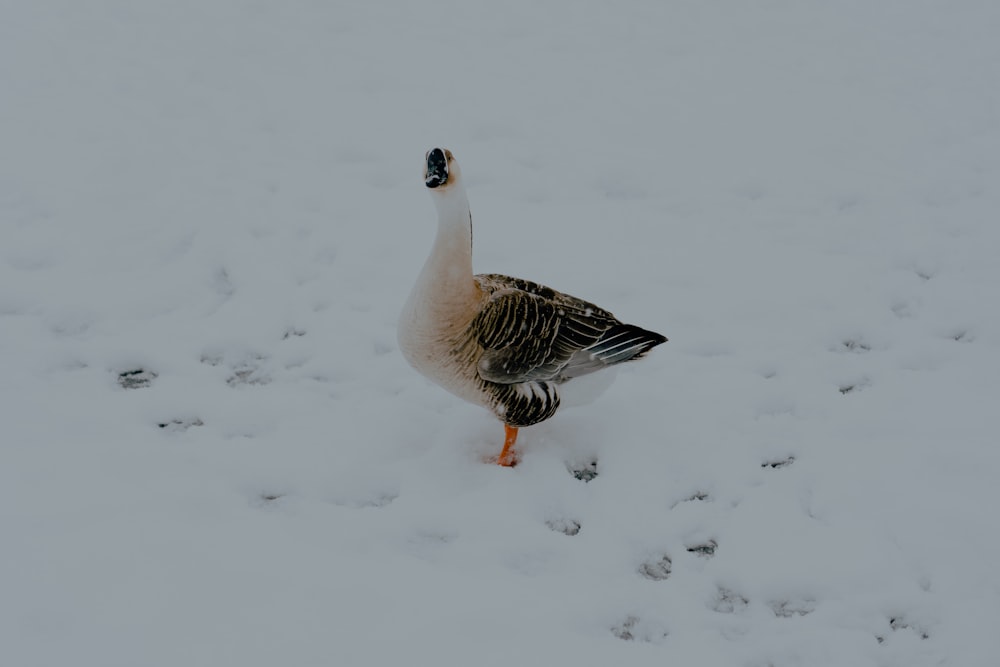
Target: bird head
440	169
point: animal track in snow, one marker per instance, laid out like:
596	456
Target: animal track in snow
852	387
900	623
961	336
728	601
565	526
696	497
856	345
138	378
779	463
178	425
584	472
657	570
789	608
897	623
704	549
633	628
248	373
211	359
267	499
246	369
624	629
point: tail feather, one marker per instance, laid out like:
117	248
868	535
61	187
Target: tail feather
622	342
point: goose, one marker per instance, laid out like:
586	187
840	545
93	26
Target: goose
503	343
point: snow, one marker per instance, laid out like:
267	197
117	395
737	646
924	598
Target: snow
226	196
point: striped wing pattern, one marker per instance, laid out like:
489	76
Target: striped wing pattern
533	333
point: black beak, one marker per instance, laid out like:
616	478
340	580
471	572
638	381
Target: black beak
437	168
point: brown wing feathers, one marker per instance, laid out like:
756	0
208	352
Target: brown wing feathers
532	332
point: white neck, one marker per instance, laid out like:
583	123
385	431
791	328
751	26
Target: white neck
445	287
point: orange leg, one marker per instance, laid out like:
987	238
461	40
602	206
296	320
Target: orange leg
508	457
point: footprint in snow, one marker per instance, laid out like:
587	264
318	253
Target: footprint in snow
633	628
248	373
137	378
179	425
696	497
565	526
246	368
704	549
778	463
855	345
852	387
962	336
657	569
790	608
898	623
584	472
727	601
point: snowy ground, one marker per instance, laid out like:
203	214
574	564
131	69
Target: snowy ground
212	452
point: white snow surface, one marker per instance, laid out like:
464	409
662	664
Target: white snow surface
803	196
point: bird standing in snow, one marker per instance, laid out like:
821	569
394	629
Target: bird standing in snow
504	343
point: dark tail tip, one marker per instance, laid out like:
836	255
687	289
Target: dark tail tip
625	342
